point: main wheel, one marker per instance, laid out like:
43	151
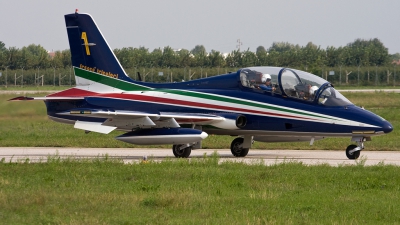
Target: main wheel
181	153
237	150
353	155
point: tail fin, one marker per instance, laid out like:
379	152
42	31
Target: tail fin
92	58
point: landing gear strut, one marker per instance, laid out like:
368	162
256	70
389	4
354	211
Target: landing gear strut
237	148
181	151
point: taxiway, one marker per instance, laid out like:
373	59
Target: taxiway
268	157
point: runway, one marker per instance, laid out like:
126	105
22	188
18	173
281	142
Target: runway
135	155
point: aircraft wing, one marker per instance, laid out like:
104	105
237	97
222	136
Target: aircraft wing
128	120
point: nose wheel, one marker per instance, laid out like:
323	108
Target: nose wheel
353	151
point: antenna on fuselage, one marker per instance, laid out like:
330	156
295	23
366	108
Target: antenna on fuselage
139	77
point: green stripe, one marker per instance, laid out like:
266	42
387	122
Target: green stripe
126	86
236	101
109	81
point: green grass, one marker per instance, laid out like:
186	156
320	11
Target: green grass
196	191
26	124
34	88
355	87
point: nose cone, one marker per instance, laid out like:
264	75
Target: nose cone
387	127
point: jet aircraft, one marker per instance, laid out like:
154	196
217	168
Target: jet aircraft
300	106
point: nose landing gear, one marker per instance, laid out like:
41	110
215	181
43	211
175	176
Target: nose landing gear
353	151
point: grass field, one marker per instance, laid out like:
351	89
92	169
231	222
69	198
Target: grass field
196	191
34	88
26	124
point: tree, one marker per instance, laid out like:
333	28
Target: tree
201	59
37	56
395	57
262	55
216	59
57	60
282	47
260	49
234	59
367	52
13	56
168	57
156	57
125	57
140	56
199	49
184	58
313	57
3	54
2	46
249	58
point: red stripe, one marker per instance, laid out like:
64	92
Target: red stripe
188	103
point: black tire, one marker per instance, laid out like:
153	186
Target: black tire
236	150
353	155
183	153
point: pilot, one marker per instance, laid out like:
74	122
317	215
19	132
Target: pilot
266	83
308	93
312	91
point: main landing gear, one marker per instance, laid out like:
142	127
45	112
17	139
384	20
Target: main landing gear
182	151
353	151
239	147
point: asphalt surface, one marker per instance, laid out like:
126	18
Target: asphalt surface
268	157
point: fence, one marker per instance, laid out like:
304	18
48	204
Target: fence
339	76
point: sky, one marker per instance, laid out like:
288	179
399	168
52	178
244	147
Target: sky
215	24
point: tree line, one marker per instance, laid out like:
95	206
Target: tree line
184	64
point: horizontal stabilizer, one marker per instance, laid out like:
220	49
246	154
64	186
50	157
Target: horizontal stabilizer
23	98
92	126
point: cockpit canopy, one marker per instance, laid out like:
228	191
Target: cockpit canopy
294	84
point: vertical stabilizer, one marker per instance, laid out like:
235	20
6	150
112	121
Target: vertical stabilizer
95	64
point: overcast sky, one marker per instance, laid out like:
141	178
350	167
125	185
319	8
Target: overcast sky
216	24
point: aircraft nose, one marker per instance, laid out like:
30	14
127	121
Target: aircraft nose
387	127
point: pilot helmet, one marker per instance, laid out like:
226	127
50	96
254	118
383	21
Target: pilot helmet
265	77
313	89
